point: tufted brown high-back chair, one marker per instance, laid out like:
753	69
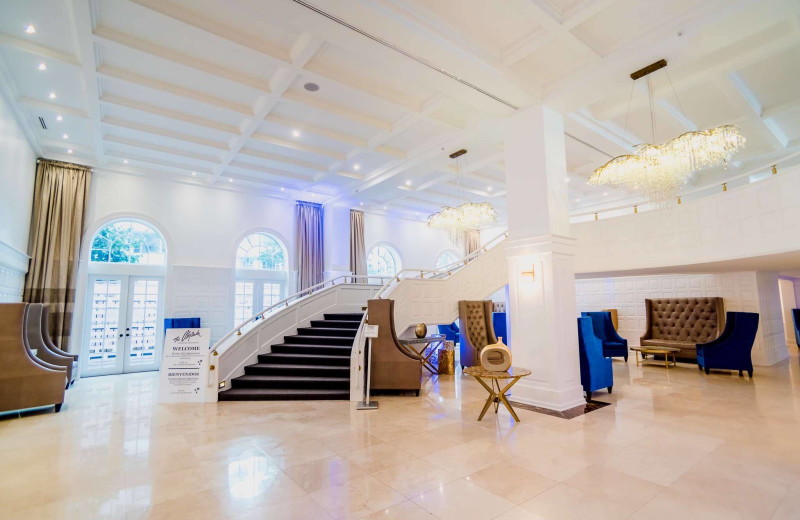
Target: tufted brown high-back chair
35	337
393	367
683	322
476	330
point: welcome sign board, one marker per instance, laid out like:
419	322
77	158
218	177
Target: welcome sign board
184	366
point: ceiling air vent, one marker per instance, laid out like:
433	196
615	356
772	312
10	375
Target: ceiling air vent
41	122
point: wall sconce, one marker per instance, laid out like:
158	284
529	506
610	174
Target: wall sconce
531	273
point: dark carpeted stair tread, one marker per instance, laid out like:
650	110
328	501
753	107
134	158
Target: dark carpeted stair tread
312	382
282	394
295	369
319	340
337	324
301	359
346	316
327	331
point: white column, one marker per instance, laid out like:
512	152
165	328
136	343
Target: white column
541	308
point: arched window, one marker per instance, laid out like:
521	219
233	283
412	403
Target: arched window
382	261
262	264
128	242
261	251
446	258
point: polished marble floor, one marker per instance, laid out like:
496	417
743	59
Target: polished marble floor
674	445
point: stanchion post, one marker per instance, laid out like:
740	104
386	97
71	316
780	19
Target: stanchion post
370	331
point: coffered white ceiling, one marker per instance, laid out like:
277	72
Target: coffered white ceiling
214	92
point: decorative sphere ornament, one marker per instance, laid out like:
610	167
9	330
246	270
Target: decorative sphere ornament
421	330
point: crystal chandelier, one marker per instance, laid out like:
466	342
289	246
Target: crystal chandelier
457	220
659	171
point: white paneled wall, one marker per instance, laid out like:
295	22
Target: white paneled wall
13	266
204	292
740	291
761	218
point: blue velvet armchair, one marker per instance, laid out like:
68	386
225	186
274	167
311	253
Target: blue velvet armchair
614	345
596	372
796	317
450	332
731	350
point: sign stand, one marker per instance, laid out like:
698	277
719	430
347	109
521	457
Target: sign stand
370	331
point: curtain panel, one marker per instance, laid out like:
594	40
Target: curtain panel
472	241
310	263
358	252
61	192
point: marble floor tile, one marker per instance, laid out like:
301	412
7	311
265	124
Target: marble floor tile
357	498
512	482
463	500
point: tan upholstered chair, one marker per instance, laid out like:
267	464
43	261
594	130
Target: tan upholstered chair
35	337
393	366
476	330
25	381
614	318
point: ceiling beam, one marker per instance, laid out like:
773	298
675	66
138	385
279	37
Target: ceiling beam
301	147
111	99
316	167
39	50
145	145
37	104
111	73
163	132
158	162
111	37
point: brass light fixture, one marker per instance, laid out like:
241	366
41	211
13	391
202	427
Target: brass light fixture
658	171
531	273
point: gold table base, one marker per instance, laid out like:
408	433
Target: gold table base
497	394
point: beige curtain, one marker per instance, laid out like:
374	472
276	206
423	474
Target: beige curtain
60	195
472	241
358	252
310	247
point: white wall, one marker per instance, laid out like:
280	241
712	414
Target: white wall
17	174
418	246
744	291
761	218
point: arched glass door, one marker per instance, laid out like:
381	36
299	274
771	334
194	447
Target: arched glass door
125	300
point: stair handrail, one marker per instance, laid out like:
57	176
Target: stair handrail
219	347
444	271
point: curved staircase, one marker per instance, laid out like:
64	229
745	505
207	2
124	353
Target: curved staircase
312	364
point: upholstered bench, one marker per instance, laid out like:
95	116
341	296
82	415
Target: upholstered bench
683	323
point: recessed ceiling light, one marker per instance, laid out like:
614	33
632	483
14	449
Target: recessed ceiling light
52	95
311	87
356	167
194	174
59	118
566	179
360	203
408	183
605	194
230	179
488	188
42	66
69	151
283	189
577	200
125	161
65	136
296	133
30	29
384	207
